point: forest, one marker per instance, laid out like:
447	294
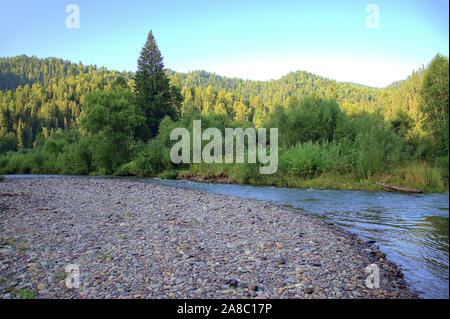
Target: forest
61	117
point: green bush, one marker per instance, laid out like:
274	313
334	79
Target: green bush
8	141
338	157
378	149
127	169
154	159
17	163
309	121
76	159
245	173
304	160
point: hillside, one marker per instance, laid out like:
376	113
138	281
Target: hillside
42	95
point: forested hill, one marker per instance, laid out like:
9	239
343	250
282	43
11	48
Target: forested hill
298	83
41	95
22	70
212	93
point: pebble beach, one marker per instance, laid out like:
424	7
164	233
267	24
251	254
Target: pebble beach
141	240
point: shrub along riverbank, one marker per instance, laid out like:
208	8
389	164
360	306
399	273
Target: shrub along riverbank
354	154
124	129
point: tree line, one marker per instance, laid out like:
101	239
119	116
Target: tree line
61	117
41	95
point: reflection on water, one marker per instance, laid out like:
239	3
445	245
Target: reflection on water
412	229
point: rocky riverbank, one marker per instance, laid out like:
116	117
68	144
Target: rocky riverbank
140	240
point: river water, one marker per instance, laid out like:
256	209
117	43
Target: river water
412	229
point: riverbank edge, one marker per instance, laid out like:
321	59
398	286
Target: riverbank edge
367	249
315	183
322	182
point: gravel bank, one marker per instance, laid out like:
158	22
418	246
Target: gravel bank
140	240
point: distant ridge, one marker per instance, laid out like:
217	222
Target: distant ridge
21	70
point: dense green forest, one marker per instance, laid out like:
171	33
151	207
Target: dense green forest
255	100
67	118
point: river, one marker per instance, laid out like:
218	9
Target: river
412	229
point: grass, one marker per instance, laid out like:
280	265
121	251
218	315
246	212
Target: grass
416	174
168	174
21	293
103	255
1	178
420	175
299	168
61	275
125	214
26	294
332	181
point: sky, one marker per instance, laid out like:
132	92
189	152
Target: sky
256	40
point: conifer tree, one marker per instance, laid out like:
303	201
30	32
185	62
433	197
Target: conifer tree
20	141
154	94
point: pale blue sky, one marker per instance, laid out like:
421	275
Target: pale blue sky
248	39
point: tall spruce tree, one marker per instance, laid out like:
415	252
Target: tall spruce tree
154	94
